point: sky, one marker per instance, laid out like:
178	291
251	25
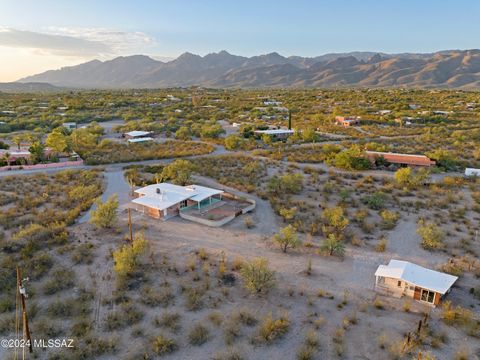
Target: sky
36	36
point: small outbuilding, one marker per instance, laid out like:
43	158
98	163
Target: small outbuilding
400	159
405	279
275	134
137	134
472	172
347	121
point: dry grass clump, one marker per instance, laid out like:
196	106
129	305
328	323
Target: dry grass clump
272	329
169	321
229	354
163	345
198	335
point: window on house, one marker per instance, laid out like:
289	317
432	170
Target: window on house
427	296
399	283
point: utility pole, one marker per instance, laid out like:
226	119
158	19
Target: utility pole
21	292
130	227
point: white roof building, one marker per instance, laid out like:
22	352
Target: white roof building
417	275
275	132
472	172
137	133
165	195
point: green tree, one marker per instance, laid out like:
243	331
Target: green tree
267	139
105	215
334	221
37	150
232	142
257	276
288	214
18	140
287	238
183	133
332	245
58	141
408	178
432	236
179	172
309	135
128	257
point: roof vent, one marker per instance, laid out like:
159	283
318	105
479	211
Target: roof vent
159	191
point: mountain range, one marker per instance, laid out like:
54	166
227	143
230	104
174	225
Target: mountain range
444	69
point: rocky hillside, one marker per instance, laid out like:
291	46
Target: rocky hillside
446	69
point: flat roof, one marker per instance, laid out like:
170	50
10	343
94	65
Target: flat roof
140	139
275	131
137	133
417	275
164	195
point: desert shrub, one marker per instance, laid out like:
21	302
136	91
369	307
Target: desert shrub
61	279
127	315
155	297
198	335
194	298
83	254
229	354
168	320
272	329
376	201
432	236
257	276
105	215
287	238
162	345
128	257
389	219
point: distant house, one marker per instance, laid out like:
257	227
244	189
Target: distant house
347	121
272	102
472	172
405	279
275	134
70	125
440	112
401	159
14	155
165	200
136	134
384	112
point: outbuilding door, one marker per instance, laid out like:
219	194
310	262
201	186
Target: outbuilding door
417	293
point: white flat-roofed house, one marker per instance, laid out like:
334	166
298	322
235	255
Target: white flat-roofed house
136	134
472	172
276	134
165	200
70	125
402	278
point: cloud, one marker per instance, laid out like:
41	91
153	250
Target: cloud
77	42
119	41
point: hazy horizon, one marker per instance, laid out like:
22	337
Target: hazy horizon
35	37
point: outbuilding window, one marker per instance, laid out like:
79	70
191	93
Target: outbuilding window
427	296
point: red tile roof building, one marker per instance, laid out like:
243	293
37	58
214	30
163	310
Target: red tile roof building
402	159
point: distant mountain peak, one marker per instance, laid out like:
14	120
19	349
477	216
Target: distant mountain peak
451	68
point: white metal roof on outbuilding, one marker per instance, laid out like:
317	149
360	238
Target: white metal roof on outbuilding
275	131
417	275
472	172
137	133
